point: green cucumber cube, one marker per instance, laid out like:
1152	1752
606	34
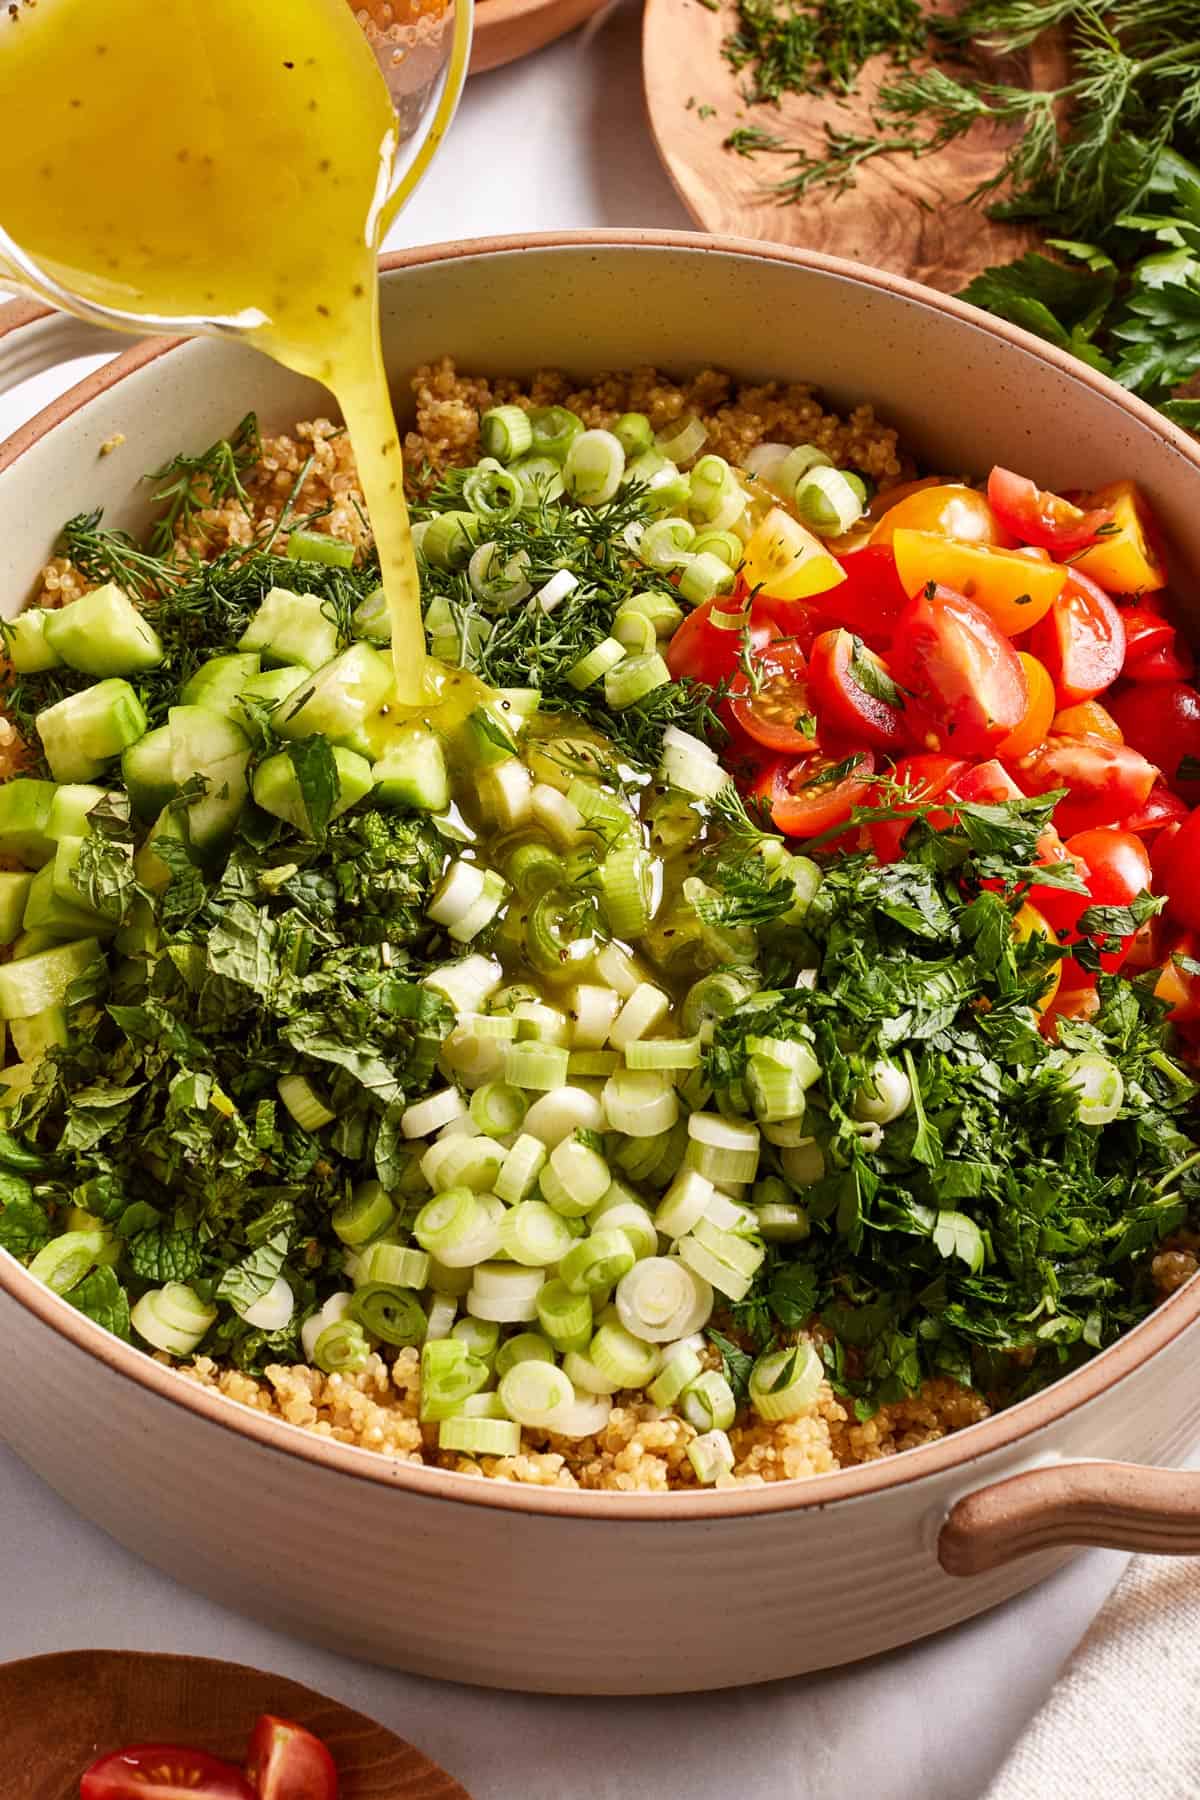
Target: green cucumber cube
277	789
208	744
338	698
103	633
292	628
218	683
87	730
24	814
14	892
412	771
64	883
73	802
372	618
46	1030
274	685
67	917
32	943
146	770
28	648
30	986
148	866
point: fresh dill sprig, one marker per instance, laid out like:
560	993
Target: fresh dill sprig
798	46
211	479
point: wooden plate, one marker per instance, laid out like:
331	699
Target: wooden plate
903	214
58	1713
507	29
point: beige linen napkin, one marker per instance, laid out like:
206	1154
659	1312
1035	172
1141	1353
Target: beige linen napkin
1123	1719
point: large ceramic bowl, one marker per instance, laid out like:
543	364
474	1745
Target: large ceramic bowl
583	1592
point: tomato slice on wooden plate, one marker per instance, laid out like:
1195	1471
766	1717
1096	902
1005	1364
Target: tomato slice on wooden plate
772	706
815	794
968	678
1036	516
165	1772
854	693
1081	641
285	1762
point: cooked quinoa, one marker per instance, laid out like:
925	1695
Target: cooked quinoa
642	1447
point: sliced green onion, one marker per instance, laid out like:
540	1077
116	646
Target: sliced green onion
886	1094
618	969
690	765
534	1234
623	1358
557	1116
783	1222
341	1348
481	1336
505	432
443	1310
708	1403
775	1092
678	1373
713	998
526	1346
462	1160
554	430
723	1149
466	985
504	1292
535	1065
540	1023
593	467
449	1373
726	546
720	1275
640	1102
586	1417
597	1262
450	538
627	883
660	1299
732	1247
598	661
565	1316
532	868
365	1215
631	1217
540	478
803	1164
591	1010
575	1178
536	1394
645	1008
585	1377
554	592
303	1102
493	493
797	463
445	1280
666	543
498	580
593	1065
171	1318
480	1437
519	1172
394	1265
319	547
785	1383
683	440
711	1456
430	1115
712	479
829	501
1099	1087
634	433
392	1314
448	1221
663	1053
684	1204
498	1109
634	631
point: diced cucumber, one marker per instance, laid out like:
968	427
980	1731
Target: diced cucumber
277	789
372	618
24	814
14	892
338	698
274	685
64	866
292	628
103	633
32	943
139	936
412	771
73	802
487	736
218	683
87	730
47	910
149	867
205	743
46	1030
30	986
146	769
28	648
16	1080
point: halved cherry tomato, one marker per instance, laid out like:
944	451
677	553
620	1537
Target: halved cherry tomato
1014	589
1183	888
950	509
1087	719
768	713
1163	722
1126	559
785	560
925	777
1105	783
1039	711
986	783
839	667
1118	870
1036	516
1162	808
1026	923
1081	641
285	1762
1146	630
868	602
1162	856
1069	1003
1180	987
805	801
705	650
163	1772
967	676
1169	662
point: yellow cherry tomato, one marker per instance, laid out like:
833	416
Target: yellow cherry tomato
1088	719
1014	589
1039	711
1026	924
949	508
1124	560
788	562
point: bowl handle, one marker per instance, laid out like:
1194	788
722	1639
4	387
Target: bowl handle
34	338
1113	1506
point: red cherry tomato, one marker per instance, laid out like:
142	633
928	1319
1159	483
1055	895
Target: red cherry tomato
868	602
708	652
804	802
1168	662
925	777
1163	808
767	709
1118	870
1036	516
285	1762
1081	640
1182	885
164	1772
1146	630
1162	855
986	783
968	677
838	667
1163	722
1106	783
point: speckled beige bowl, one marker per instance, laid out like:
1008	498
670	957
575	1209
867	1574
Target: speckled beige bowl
583	1592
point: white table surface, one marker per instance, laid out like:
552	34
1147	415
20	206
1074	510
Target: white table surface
556	142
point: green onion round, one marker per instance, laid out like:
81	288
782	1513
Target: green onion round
391	1314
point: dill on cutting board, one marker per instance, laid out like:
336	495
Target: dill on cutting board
804	46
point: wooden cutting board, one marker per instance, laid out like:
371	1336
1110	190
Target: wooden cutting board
906	215
508	29
58	1713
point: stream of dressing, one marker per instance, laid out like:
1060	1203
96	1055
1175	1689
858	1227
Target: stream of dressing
224	161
